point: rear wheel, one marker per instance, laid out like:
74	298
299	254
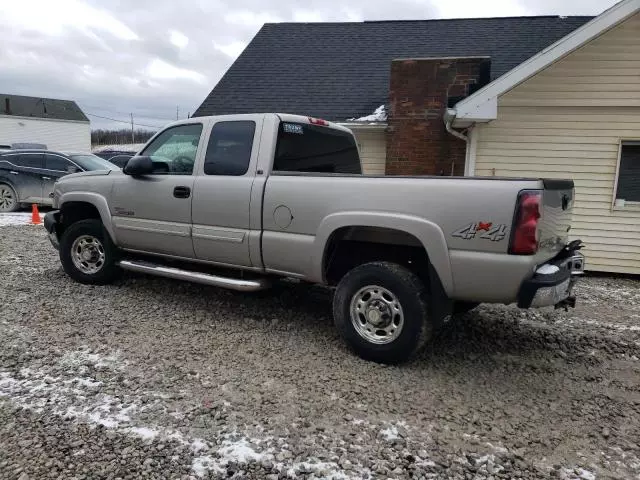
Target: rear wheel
87	253
8	199
381	311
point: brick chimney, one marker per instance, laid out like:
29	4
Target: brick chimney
420	91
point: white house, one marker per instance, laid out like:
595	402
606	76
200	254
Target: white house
572	111
58	124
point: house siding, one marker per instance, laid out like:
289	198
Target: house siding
373	150
56	134
568	121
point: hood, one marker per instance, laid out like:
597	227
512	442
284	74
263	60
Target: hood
90	173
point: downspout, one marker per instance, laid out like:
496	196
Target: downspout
449	117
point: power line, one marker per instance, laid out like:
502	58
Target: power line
121	121
109	110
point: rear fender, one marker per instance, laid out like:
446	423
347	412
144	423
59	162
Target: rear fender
428	233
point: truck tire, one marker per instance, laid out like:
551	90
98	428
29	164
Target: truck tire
380	309
87	253
8	198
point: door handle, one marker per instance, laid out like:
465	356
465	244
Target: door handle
13	173
181	192
46	178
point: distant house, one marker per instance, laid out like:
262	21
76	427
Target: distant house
552	97
58	124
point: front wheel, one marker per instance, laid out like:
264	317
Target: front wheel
87	253
381	311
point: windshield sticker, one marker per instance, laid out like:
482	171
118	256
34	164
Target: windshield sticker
292	128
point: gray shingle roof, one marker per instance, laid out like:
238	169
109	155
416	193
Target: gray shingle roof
341	70
39	107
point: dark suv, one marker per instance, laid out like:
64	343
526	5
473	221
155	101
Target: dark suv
27	176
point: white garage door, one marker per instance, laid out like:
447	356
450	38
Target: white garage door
373	150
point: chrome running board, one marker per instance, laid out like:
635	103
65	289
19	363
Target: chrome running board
140	266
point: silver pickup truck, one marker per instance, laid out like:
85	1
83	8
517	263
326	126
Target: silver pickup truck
237	201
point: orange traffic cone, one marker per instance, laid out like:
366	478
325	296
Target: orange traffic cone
35	215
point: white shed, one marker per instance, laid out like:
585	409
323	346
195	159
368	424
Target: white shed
58	124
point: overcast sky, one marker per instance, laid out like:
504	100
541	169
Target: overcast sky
147	57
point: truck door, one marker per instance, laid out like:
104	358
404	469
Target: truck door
152	213
222	193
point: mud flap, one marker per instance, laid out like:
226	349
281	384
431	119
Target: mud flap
440	305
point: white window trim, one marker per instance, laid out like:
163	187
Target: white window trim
635	206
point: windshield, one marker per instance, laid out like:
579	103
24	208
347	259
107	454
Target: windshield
93	162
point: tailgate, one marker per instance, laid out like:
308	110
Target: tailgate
555	220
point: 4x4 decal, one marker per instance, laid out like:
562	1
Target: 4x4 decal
485	230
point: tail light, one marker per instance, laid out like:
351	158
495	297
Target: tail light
524	239
318	121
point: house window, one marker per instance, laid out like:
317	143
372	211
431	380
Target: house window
629	173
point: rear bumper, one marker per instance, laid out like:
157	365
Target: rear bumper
51	220
553	283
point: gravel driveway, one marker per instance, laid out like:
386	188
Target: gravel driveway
152	378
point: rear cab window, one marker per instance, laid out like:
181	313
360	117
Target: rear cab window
312	148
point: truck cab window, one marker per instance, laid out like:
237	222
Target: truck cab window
173	152
229	149
315	149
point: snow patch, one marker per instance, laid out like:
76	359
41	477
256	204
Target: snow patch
240	452
121	147
577	474
380	115
390	433
203	464
548	269
144	432
14	219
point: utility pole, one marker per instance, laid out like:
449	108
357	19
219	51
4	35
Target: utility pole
177	112
133	136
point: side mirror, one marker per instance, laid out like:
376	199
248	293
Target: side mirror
138	165
72	169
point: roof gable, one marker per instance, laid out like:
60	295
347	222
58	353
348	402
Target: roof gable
38	107
482	106
341	70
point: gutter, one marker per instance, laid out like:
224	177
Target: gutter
449	118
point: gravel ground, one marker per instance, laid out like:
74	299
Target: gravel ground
152	378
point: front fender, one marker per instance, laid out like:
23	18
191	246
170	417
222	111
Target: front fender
428	233
97	201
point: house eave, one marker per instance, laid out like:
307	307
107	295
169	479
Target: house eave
45	119
482	106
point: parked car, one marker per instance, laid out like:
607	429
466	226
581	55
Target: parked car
107	154
120	160
282	196
28	176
